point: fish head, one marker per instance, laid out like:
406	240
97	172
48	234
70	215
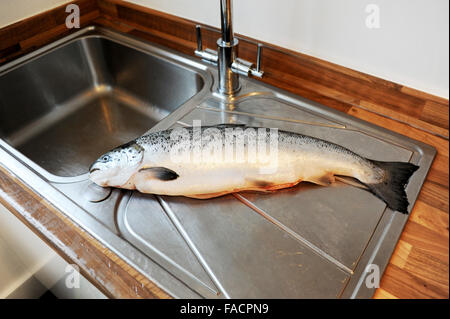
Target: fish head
115	167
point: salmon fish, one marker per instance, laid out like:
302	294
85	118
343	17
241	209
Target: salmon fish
211	161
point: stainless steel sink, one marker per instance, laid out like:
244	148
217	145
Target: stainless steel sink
67	103
63	108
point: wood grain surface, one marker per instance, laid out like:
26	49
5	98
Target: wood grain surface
29	34
419	267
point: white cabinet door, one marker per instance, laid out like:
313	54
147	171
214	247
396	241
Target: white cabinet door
29	267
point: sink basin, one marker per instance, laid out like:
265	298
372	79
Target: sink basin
66	107
65	104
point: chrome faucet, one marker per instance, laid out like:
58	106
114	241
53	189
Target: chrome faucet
228	64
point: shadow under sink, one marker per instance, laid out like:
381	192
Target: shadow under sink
65	108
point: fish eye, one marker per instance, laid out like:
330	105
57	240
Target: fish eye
105	158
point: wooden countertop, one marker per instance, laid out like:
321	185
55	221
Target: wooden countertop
419	267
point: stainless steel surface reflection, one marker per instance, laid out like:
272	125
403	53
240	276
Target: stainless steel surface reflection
63	105
62	109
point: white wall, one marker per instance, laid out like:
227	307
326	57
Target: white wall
15	10
411	47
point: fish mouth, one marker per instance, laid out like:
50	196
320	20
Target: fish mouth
93	170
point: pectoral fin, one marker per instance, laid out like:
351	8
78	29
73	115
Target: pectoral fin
161	173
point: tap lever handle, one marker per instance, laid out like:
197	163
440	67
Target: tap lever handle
199	37
257	71
259	58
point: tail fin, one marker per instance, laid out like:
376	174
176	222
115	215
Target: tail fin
392	189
